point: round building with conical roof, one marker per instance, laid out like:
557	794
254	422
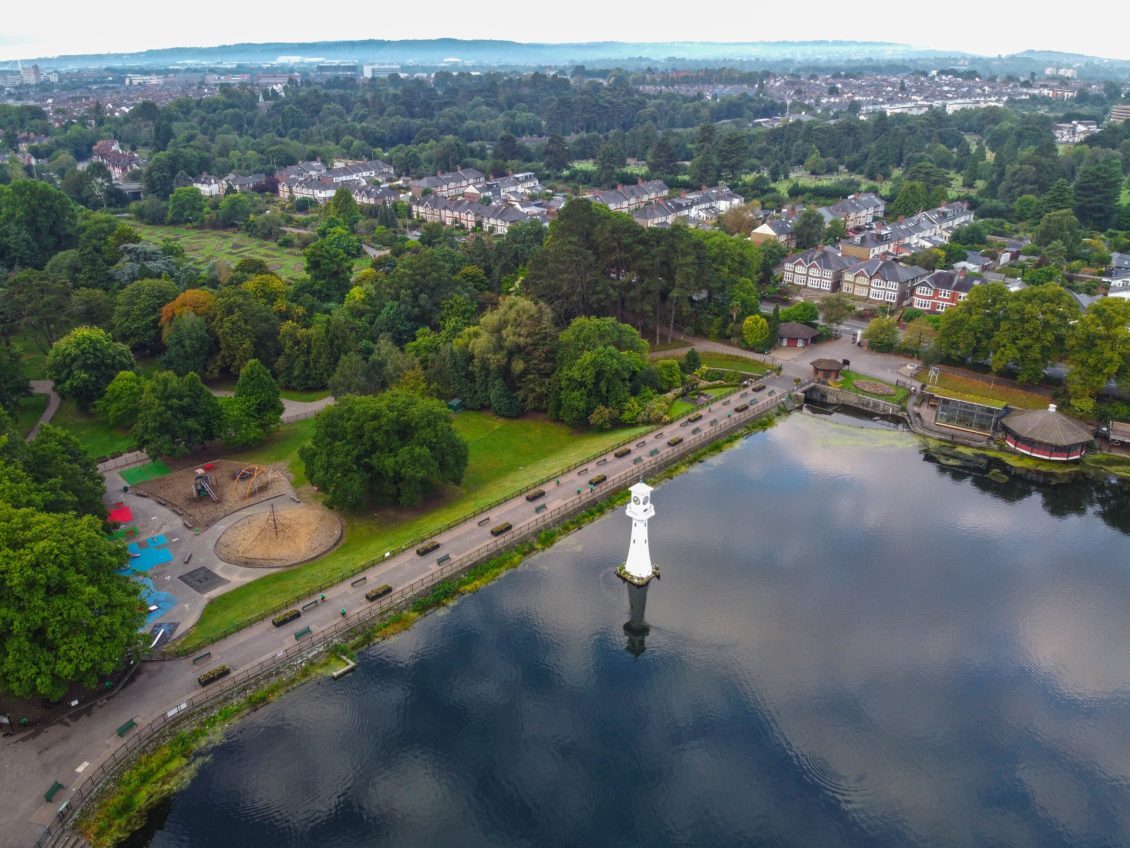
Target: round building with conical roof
1046	434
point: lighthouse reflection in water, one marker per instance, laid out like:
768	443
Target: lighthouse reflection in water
637	571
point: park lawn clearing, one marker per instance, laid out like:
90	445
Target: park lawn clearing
733	362
27	412
34	360
507	456
148	471
303	396
98	438
227	246
849	381
997	393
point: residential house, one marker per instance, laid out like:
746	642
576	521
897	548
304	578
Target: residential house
779	230
435	208
819	268
369	195
117	161
882	280
974	262
246	183
209	186
792	334
1117	274
449	184
660	214
499	219
855	211
627	198
941	290
869	244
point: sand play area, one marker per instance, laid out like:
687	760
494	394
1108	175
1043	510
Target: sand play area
285	535
226	491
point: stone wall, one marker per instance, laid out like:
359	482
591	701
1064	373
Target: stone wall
840	397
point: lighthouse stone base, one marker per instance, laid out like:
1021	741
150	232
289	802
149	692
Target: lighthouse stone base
637	579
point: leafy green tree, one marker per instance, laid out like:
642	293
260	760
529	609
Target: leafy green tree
14	384
83	363
176	414
814	164
804	312
137	312
1060	196
755	332
118	405
555	155
836	308
692	361
515	341
1033	331
388	448
1097	188
65	614
244	328
670	374
259	392
92	308
919	335
910	200
39	302
882	334
189	345
344	207
64	474
330	270
36	222
600	377
808	228
968	329
1061	226
186	206
1098	351
239	427
235	210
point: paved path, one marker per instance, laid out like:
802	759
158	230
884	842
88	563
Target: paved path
34	760
45	387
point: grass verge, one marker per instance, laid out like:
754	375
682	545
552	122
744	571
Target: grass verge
27	412
141	473
992	391
97	437
735	363
848	380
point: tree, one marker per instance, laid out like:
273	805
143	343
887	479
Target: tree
118	405
239	427
834	232
197	301
259	392
344	207
36	222
189	345
14	384
809	228
83	363
882	334
64	475
692	361
388	448
65	614
555	155
1033	331
186	206
836	308
138	309
235	210
804	312
919	334
330	270
244	328
1097	188
1098	351
910	200
1061	226
176	414
969	328
755	332
1060	196
39	301
670	374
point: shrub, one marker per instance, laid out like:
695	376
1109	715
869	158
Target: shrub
378	592
214	674
285	617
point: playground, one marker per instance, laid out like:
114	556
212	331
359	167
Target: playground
204	494
279	537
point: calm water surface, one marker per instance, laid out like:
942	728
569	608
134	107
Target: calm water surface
849	646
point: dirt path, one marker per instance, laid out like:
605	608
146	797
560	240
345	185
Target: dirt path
45	387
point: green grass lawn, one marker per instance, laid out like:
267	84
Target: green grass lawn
98	438
27	413
148	471
211	245
507	456
35	360
674	344
681	406
848	378
305	396
992	391
734	362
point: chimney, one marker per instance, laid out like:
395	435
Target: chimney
1051	407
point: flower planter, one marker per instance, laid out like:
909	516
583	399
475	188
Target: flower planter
427	548
285	617
379	592
696	417
598	479
623	452
741	407
499	529
534	495
678	440
212	675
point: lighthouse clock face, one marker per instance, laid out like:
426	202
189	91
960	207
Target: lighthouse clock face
635	500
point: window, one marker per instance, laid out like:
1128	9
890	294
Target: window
892	295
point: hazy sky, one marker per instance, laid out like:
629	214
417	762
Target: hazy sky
977	26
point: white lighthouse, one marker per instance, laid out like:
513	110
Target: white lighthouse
638	569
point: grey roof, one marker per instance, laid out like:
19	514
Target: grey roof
886	269
950	281
824	364
793	330
824	258
1047	426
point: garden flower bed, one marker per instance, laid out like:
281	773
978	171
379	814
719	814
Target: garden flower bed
535	494
622	453
214	674
379	592
499	529
678	440
598	479
285	617
427	548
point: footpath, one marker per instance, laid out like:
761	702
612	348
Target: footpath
77	751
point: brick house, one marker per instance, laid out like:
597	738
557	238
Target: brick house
819	268
881	280
941	290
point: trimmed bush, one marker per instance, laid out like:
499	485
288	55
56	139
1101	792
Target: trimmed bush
285	617
499	529
212	675
379	592
427	548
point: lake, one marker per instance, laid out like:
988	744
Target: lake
849	645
